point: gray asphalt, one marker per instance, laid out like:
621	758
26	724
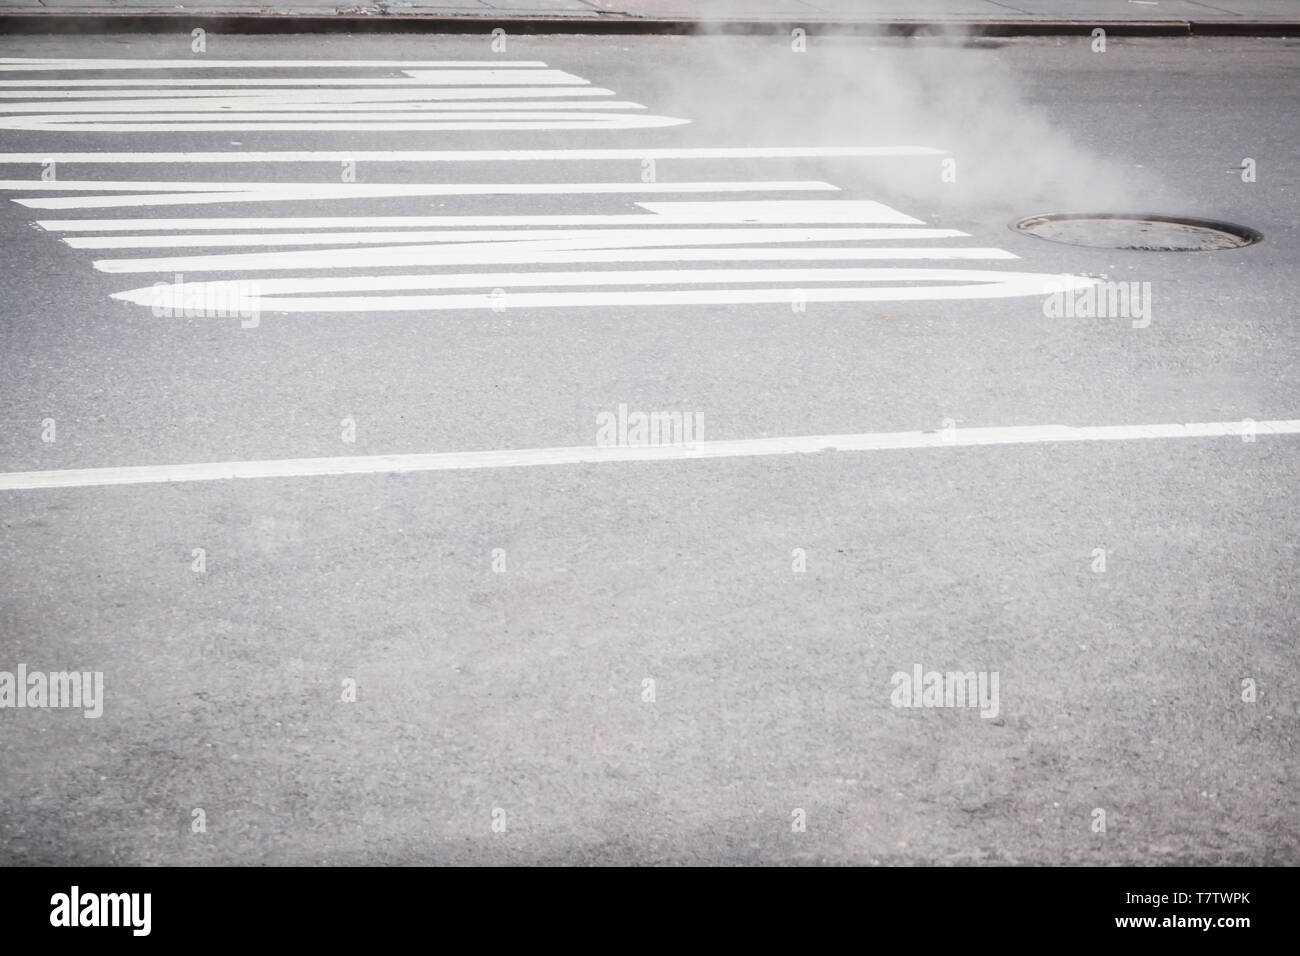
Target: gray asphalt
522	690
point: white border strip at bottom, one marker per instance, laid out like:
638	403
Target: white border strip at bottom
1245	429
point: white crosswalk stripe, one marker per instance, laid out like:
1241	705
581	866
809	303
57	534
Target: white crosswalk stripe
185	194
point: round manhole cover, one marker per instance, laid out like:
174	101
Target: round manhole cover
1153	233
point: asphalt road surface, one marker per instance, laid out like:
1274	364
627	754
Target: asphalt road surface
522	645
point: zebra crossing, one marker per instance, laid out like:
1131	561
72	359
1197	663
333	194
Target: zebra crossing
722	241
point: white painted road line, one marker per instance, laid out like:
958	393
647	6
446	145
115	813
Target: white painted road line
495	77
303	123
658	236
180	298
203	63
282	192
715	212
482	155
266	106
777	211
262	82
268	292
595	455
561	251
450	189
396	90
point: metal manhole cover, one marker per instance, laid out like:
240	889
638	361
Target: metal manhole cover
1152	233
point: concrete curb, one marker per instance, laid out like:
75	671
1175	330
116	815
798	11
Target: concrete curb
273	23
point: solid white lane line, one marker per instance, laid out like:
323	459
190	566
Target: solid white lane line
11	63
478	155
561	251
136	185
440	77
717	212
58	86
646	235
495	77
773	211
598	122
267	107
533	457
273	288
226	297
980	285
337	115
396	90
279	192
469	189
